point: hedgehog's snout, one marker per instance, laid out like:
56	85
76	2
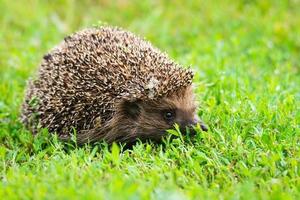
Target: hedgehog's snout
202	125
188	126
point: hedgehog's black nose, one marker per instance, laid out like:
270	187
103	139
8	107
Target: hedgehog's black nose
203	126
188	127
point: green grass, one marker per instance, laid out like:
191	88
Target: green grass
247	58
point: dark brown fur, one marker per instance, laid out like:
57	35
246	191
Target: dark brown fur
149	122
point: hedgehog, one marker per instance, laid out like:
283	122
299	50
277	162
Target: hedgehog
106	83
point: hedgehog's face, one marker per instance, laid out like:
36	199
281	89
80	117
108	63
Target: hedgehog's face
153	118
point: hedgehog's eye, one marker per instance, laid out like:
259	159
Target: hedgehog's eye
169	115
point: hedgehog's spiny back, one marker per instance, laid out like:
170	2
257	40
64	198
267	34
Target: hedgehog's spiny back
80	81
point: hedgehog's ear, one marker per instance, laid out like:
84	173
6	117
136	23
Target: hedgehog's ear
131	108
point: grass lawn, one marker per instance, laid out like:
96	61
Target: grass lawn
246	55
